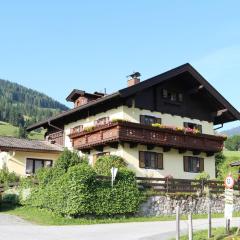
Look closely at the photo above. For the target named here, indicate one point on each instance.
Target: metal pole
(177, 223)
(190, 228)
(209, 219)
(227, 226)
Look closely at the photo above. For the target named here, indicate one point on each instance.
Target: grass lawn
(232, 154)
(45, 217)
(7, 129)
(217, 233)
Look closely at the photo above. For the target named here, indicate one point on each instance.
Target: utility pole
(209, 219)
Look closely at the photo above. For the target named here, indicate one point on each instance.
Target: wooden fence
(172, 185)
(167, 185)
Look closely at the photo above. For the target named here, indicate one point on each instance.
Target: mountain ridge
(21, 106)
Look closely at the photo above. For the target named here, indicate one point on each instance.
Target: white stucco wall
(172, 162)
(133, 115)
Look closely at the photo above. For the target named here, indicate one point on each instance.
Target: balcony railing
(148, 135)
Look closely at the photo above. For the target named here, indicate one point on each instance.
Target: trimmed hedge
(104, 164)
(79, 192)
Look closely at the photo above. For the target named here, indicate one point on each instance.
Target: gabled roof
(17, 144)
(128, 91)
(76, 93)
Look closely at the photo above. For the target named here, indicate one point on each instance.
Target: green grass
(232, 154)
(46, 217)
(217, 233)
(7, 129)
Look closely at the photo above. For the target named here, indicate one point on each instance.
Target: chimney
(134, 79)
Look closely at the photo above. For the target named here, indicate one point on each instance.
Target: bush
(8, 177)
(68, 159)
(79, 192)
(105, 163)
(202, 176)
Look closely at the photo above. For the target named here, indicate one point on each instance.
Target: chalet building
(161, 126)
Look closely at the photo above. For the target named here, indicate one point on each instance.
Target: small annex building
(24, 156)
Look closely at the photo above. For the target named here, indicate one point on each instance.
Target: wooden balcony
(134, 133)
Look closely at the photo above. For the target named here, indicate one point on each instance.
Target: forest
(21, 106)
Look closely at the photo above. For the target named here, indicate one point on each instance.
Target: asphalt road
(14, 228)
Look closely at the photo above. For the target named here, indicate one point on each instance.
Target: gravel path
(14, 228)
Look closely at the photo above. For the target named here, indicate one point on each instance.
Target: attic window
(172, 95)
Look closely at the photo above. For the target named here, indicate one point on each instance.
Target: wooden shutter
(142, 119)
(199, 127)
(141, 159)
(159, 161)
(185, 164)
(201, 164)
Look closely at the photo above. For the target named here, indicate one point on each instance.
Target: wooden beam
(166, 149)
(133, 145)
(85, 151)
(196, 152)
(150, 146)
(210, 154)
(182, 150)
(195, 90)
(99, 148)
(114, 145)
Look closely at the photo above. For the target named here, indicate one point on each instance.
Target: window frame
(101, 121)
(172, 96)
(34, 160)
(147, 123)
(158, 160)
(187, 165)
(195, 126)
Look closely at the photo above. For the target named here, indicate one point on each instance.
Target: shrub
(8, 177)
(68, 159)
(79, 192)
(202, 176)
(105, 163)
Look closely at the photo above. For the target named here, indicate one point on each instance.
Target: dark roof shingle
(12, 143)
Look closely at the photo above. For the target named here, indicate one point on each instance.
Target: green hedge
(105, 163)
(79, 192)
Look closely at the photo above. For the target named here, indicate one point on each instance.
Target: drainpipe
(218, 127)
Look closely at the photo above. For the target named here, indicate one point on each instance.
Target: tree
(233, 143)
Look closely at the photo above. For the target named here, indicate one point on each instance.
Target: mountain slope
(21, 106)
(232, 131)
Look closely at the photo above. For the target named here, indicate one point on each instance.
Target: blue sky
(55, 46)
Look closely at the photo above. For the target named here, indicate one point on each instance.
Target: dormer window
(149, 120)
(172, 96)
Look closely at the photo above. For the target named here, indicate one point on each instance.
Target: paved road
(13, 228)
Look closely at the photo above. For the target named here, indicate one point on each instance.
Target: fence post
(177, 223)
(167, 184)
(209, 219)
(227, 225)
(190, 227)
(202, 186)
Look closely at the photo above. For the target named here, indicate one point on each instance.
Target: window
(151, 160)
(101, 121)
(172, 95)
(193, 126)
(149, 120)
(77, 129)
(193, 164)
(32, 165)
(96, 156)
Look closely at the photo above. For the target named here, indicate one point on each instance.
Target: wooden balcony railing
(148, 135)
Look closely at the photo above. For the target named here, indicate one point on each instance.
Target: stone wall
(166, 204)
